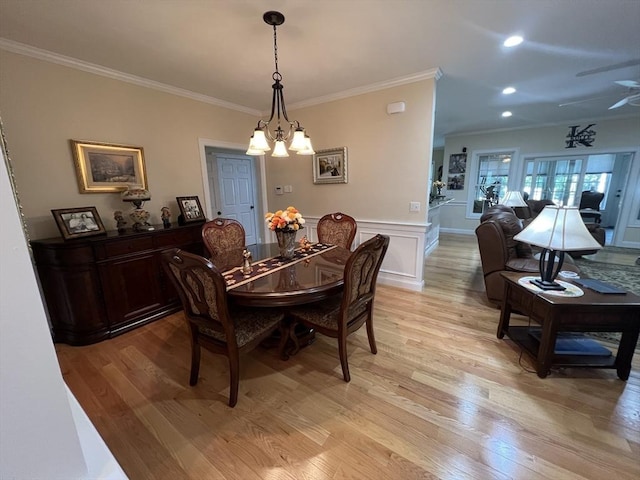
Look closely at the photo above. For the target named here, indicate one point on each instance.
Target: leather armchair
(534, 207)
(499, 252)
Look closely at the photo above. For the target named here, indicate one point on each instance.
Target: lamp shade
(513, 198)
(560, 229)
(136, 194)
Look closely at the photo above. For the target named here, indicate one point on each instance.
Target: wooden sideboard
(99, 287)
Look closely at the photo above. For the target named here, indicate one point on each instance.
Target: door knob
(219, 213)
(251, 207)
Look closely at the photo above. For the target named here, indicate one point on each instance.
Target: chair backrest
(224, 238)
(337, 229)
(360, 275)
(591, 200)
(202, 291)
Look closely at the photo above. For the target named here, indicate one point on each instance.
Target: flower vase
(286, 242)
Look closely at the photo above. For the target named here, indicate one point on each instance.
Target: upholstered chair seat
(345, 313)
(222, 328)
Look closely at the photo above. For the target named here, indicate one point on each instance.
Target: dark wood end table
(591, 312)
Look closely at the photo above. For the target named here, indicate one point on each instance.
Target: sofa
(499, 252)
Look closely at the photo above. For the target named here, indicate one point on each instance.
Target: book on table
(574, 343)
(599, 286)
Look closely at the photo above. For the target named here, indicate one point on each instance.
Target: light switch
(288, 189)
(414, 206)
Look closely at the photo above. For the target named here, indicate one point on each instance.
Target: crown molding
(47, 56)
(564, 123)
(434, 73)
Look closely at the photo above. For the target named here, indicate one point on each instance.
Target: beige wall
(543, 141)
(389, 156)
(44, 105)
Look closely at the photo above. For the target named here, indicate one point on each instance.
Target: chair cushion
(324, 313)
(249, 323)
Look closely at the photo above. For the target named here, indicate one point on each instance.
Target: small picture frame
(190, 209)
(108, 167)
(330, 166)
(78, 222)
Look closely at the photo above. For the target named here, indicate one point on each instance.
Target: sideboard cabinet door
(99, 287)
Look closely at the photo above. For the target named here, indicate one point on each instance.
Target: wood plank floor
(442, 399)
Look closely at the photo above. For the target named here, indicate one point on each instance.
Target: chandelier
(300, 141)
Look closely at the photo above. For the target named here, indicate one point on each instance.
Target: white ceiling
(224, 50)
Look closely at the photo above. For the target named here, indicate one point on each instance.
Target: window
(563, 179)
(489, 175)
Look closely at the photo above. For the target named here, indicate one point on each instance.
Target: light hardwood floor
(442, 399)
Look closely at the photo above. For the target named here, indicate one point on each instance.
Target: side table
(590, 312)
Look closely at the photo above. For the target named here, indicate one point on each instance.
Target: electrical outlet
(414, 206)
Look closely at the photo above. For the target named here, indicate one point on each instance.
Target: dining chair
(221, 327)
(343, 314)
(224, 239)
(337, 229)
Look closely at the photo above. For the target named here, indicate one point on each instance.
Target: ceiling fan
(632, 98)
(634, 94)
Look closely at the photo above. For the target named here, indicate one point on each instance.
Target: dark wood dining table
(311, 276)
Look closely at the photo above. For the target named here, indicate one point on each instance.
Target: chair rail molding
(403, 265)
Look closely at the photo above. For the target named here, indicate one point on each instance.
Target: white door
(237, 198)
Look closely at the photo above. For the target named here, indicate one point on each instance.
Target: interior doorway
(234, 186)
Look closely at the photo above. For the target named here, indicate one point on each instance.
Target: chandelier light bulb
(280, 150)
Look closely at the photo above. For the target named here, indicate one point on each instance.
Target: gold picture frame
(108, 167)
(330, 166)
(78, 222)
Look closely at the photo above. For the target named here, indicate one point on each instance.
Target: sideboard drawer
(127, 246)
(175, 238)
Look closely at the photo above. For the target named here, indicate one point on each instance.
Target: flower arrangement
(439, 184)
(288, 220)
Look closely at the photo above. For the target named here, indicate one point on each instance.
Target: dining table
(313, 274)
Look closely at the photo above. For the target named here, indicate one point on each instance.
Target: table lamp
(513, 198)
(556, 230)
(138, 195)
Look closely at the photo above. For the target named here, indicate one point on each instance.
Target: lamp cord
(523, 367)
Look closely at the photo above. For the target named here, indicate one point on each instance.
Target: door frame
(261, 184)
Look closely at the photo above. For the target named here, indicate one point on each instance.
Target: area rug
(623, 276)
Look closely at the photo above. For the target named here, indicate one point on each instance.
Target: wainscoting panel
(403, 263)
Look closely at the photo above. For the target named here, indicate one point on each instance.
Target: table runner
(235, 278)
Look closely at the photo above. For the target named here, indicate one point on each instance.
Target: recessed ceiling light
(513, 41)
(506, 114)
(509, 91)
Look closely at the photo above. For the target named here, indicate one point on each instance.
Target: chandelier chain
(275, 49)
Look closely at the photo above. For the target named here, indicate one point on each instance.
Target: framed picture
(78, 222)
(330, 166)
(190, 209)
(458, 163)
(106, 167)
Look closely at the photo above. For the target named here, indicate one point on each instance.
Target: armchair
(499, 252)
